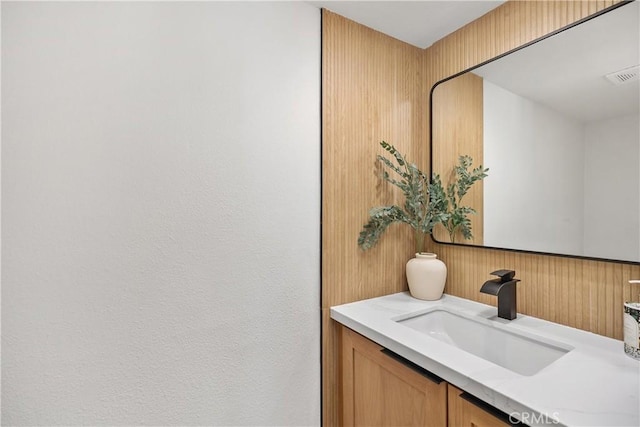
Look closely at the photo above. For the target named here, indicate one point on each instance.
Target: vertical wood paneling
(458, 129)
(375, 88)
(372, 91)
(580, 293)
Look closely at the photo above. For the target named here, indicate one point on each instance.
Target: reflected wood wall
(457, 130)
(375, 88)
(584, 294)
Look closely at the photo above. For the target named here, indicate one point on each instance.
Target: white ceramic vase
(426, 275)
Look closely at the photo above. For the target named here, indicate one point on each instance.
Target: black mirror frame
(481, 247)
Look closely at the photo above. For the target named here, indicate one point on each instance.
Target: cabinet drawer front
(379, 390)
(466, 410)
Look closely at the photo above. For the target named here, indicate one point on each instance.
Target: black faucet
(505, 289)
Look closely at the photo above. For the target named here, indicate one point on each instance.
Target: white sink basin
(518, 352)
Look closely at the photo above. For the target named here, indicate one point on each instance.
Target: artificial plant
(426, 202)
(455, 217)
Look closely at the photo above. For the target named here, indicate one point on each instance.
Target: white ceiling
(420, 23)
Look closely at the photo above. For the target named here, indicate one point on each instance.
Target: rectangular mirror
(557, 122)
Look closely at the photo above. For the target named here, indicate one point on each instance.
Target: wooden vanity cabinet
(379, 390)
(467, 411)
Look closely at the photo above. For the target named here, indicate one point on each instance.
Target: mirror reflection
(558, 125)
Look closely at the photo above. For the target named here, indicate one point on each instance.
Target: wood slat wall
(373, 89)
(376, 87)
(458, 129)
(580, 293)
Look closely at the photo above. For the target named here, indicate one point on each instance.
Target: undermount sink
(489, 340)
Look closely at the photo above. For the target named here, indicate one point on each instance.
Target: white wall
(612, 188)
(160, 213)
(526, 205)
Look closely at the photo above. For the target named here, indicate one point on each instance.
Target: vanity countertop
(594, 384)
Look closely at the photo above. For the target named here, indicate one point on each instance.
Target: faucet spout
(504, 287)
(492, 287)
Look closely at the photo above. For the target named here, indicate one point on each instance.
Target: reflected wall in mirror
(561, 140)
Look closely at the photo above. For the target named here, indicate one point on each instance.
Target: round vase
(426, 275)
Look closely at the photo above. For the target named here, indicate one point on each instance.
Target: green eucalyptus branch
(427, 203)
(380, 218)
(456, 217)
(415, 211)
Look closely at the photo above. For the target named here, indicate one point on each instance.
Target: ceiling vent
(624, 76)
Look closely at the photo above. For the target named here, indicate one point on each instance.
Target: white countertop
(595, 384)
